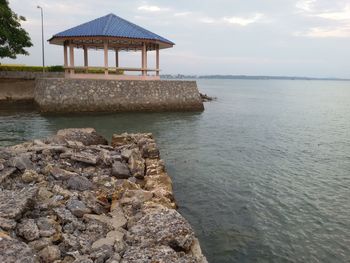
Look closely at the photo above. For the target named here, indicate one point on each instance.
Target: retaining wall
(92, 95)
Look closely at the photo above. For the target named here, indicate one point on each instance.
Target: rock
(137, 164)
(5, 173)
(119, 140)
(150, 150)
(40, 243)
(79, 183)
(15, 251)
(47, 226)
(133, 196)
(77, 207)
(14, 203)
(28, 229)
(7, 224)
(64, 215)
(1, 166)
(114, 259)
(126, 154)
(61, 191)
(162, 226)
(159, 254)
(87, 136)
(61, 174)
(93, 203)
(85, 157)
(50, 254)
(30, 176)
(120, 170)
(22, 162)
(101, 254)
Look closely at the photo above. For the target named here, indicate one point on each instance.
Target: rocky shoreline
(74, 198)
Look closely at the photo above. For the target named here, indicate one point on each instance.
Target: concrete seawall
(92, 95)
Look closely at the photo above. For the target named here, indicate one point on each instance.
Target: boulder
(28, 229)
(14, 203)
(77, 207)
(14, 251)
(137, 164)
(79, 183)
(50, 254)
(61, 174)
(87, 136)
(85, 157)
(120, 170)
(30, 176)
(7, 224)
(5, 173)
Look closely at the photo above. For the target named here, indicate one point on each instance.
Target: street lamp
(42, 37)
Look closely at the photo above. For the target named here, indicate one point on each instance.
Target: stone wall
(91, 95)
(19, 85)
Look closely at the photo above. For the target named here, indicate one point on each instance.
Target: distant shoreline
(179, 76)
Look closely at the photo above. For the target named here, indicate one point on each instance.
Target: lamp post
(42, 37)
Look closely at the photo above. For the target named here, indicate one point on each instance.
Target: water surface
(263, 174)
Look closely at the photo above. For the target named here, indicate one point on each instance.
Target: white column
(86, 59)
(157, 60)
(71, 57)
(65, 56)
(106, 56)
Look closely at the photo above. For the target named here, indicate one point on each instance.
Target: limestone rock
(47, 226)
(28, 229)
(61, 174)
(50, 254)
(14, 251)
(85, 157)
(150, 150)
(30, 176)
(87, 136)
(14, 203)
(120, 170)
(22, 162)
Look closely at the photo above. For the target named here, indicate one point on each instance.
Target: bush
(30, 68)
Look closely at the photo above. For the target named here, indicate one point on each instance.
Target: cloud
(305, 5)
(152, 8)
(234, 20)
(326, 32)
(243, 21)
(183, 13)
(343, 15)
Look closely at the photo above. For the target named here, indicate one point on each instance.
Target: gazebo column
(117, 59)
(71, 57)
(157, 60)
(144, 59)
(106, 57)
(86, 59)
(65, 56)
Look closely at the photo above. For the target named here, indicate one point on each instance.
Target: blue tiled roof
(111, 26)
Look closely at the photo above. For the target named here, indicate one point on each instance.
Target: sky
(239, 37)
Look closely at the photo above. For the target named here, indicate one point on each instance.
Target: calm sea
(263, 174)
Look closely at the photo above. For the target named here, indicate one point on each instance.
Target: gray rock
(162, 226)
(47, 226)
(1, 166)
(7, 224)
(22, 162)
(150, 150)
(79, 183)
(114, 259)
(5, 173)
(120, 170)
(28, 229)
(61, 174)
(50, 254)
(101, 254)
(40, 243)
(85, 157)
(77, 207)
(14, 203)
(159, 254)
(15, 251)
(64, 215)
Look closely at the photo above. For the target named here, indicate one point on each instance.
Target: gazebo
(110, 32)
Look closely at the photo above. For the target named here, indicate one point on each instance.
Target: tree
(13, 38)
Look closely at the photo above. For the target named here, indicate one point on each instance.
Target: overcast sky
(252, 37)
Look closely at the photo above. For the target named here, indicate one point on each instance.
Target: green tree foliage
(13, 38)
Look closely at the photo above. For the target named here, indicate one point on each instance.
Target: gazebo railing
(109, 69)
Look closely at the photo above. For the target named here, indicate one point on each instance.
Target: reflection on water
(262, 174)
